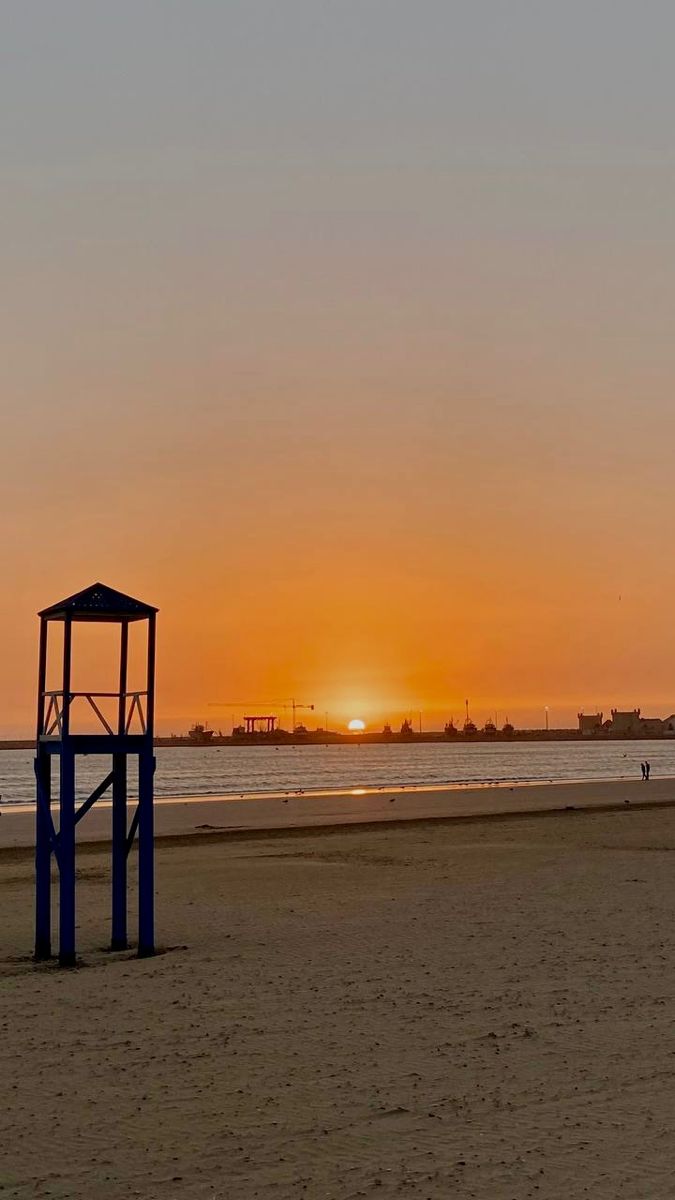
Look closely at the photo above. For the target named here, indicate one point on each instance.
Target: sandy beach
(472, 1009)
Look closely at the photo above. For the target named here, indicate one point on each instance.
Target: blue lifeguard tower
(124, 726)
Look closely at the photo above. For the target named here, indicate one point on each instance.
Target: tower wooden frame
(130, 732)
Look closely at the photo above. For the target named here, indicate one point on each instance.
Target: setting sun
(356, 725)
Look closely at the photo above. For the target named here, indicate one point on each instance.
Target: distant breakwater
(519, 736)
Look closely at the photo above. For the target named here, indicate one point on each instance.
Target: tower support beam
(118, 939)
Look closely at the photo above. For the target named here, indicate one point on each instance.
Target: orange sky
(368, 387)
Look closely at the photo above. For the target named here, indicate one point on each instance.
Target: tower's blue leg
(146, 854)
(67, 860)
(43, 855)
(119, 853)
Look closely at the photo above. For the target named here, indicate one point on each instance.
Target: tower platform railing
(129, 704)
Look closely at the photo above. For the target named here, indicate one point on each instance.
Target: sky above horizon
(343, 333)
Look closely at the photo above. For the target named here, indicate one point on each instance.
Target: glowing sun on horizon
(356, 725)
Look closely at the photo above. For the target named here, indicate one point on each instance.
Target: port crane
(286, 703)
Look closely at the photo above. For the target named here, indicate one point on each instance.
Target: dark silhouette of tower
(125, 721)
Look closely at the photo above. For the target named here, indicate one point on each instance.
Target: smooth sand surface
(199, 814)
(445, 1010)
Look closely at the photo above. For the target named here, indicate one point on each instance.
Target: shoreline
(192, 817)
(309, 793)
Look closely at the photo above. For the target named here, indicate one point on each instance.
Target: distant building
(652, 726)
(633, 724)
(625, 723)
(590, 724)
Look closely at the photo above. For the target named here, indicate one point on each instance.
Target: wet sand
(470, 1009)
(227, 814)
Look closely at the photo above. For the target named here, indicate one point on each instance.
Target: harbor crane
(286, 703)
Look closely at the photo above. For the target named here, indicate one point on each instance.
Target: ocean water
(244, 770)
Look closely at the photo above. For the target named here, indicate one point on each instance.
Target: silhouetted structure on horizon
(260, 724)
(200, 735)
(628, 723)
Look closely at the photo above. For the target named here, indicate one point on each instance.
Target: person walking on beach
(643, 770)
(648, 768)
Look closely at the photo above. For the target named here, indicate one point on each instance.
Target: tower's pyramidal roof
(98, 603)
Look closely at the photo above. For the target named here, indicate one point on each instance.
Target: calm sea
(244, 770)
